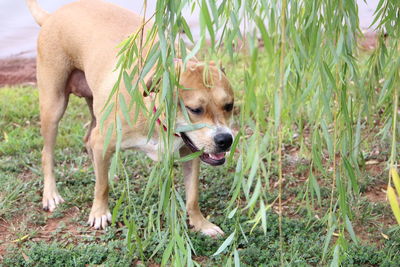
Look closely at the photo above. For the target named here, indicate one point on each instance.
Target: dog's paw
(51, 200)
(212, 230)
(99, 220)
(205, 227)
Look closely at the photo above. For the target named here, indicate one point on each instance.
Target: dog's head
(208, 99)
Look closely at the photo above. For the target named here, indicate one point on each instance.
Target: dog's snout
(223, 141)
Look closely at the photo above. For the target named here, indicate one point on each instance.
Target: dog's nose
(223, 141)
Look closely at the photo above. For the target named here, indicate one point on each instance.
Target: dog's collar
(161, 124)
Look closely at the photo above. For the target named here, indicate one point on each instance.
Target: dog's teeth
(217, 156)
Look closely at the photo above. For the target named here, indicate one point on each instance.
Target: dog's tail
(39, 14)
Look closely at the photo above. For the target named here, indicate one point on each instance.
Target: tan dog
(77, 48)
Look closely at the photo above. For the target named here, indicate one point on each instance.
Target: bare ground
(17, 71)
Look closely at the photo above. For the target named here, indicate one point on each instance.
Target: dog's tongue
(217, 156)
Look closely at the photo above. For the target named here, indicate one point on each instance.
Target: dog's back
(84, 33)
(86, 28)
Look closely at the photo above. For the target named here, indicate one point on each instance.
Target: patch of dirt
(375, 167)
(149, 263)
(9, 230)
(376, 193)
(17, 71)
(53, 224)
(374, 231)
(6, 233)
(3, 236)
(26, 175)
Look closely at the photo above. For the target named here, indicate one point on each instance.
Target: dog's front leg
(100, 214)
(196, 219)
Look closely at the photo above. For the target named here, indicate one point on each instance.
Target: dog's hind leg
(78, 85)
(191, 176)
(89, 101)
(53, 100)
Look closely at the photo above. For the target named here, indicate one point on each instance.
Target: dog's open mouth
(213, 159)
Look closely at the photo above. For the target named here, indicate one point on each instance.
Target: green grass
(33, 237)
(317, 132)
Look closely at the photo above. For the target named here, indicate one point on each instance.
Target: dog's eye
(196, 111)
(228, 107)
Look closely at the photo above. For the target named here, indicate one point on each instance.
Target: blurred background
(18, 30)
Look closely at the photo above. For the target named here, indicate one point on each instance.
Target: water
(18, 30)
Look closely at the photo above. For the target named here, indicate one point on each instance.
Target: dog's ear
(152, 83)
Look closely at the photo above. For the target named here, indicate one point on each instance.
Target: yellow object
(396, 179)
(393, 203)
(20, 239)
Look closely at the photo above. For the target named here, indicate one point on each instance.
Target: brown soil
(376, 193)
(3, 236)
(371, 231)
(17, 71)
(10, 229)
(7, 233)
